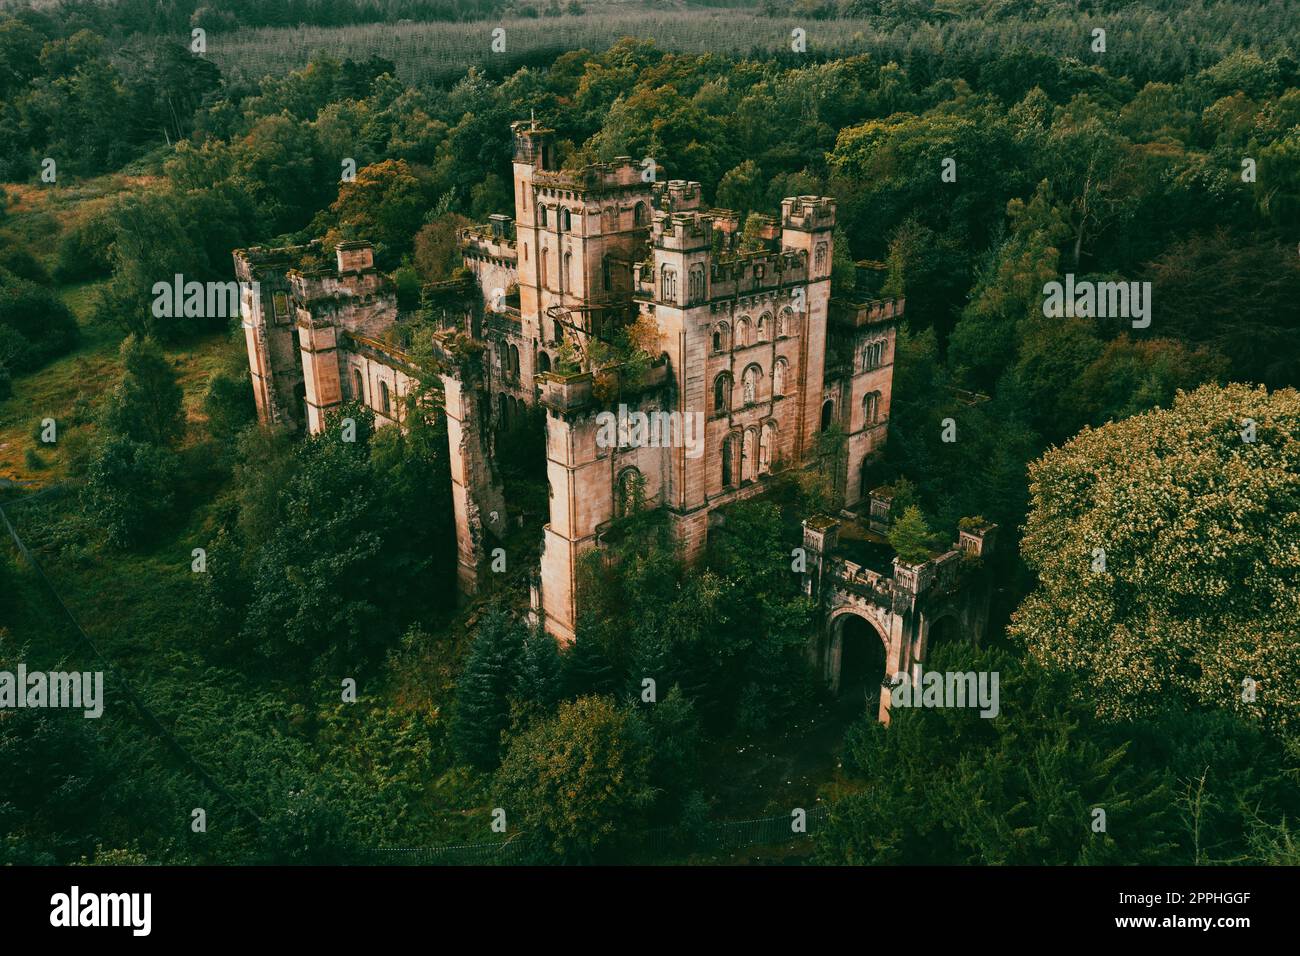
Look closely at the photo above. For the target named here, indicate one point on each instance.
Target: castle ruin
(749, 341)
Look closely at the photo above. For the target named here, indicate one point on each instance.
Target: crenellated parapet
(849, 572)
(808, 213)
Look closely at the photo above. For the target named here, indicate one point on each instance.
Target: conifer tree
(482, 693)
(911, 536)
(587, 670)
(538, 684)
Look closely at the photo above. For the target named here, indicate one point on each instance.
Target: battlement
(493, 240)
(354, 257)
(856, 315)
(622, 174)
(534, 143)
(678, 195)
(859, 559)
(681, 231)
(327, 290)
(257, 261)
(808, 213)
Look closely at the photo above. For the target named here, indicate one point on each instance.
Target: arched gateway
(875, 623)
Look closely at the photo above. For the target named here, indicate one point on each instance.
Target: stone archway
(856, 658)
(944, 630)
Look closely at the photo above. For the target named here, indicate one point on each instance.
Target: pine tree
(587, 670)
(911, 536)
(482, 693)
(538, 685)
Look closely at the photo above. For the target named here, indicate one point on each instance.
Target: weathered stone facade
(750, 344)
(904, 604)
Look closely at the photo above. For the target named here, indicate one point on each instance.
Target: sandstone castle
(750, 343)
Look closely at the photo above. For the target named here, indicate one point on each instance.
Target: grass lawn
(68, 388)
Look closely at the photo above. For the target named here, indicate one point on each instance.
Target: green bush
(130, 489)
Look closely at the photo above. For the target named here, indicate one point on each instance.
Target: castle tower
(266, 314)
(533, 154)
(867, 390)
(577, 234)
(676, 291)
(593, 481)
(351, 298)
(807, 223)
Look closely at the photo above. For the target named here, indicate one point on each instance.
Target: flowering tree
(1167, 549)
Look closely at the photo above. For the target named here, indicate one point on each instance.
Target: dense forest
(1170, 157)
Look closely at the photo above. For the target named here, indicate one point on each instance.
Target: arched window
(669, 290)
(566, 221)
(514, 361)
(764, 326)
(819, 260)
(358, 391)
(503, 407)
(870, 408)
(721, 393)
(749, 381)
(629, 493)
(783, 323)
(541, 212)
(748, 456)
(742, 332)
(720, 332)
(766, 446)
(873, 355)
(728, 444)
(638, 214)
(828, 414)
(543, 362)
(696, 289)
(779, 371)
(385, 404)
(604, 273)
